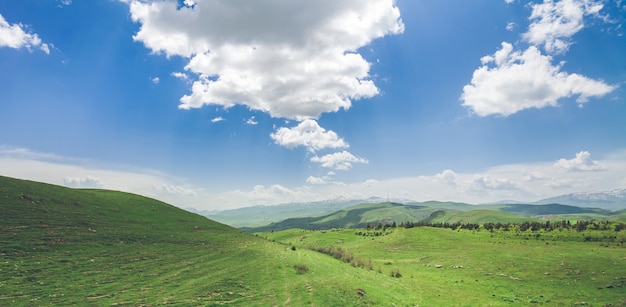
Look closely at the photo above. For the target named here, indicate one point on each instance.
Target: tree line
(524, 226)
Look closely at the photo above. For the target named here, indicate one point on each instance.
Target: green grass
(61, 246)
(479, 217)
(65, 247)
(479, 268)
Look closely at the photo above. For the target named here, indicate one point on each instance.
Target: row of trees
(524, 226)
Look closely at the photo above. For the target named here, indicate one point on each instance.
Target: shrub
(395, 273)
(301, 268)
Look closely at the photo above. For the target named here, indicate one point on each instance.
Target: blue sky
(224, 104)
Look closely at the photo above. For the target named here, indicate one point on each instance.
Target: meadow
(68, 247)
(483, 268)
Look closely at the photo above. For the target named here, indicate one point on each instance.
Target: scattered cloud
(553, 23)
(510, 81)
(251, 121)
(62, 3)
(15, 36)
(511, 26)
(217, 119)
(513, 80)
(340, 160)
(581, 163)
(524, 182)
(249, 57)
(309, 134)
(316, 180)
(180, 75)
(83, 182)
(173, 189)
(155, 80)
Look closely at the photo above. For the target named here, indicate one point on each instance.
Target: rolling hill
(359, 216)
(61, 246)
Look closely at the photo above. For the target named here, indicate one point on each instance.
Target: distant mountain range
(610, 199)
(590, 203)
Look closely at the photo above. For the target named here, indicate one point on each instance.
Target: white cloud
(155, 80)
(180, 75)
(581, 163)
(511, 25)
(173, 189)
(513, 80)
(316, 180)
(448, 177)
(83, 182)
(64, 2)
(247, 55)
(14, 36)
(554, 22)
(251, 121)
(340, 160)
(486, 182)
(309, 134)
(510, 81)
(496, 183)
(509, 1)
(217, 119)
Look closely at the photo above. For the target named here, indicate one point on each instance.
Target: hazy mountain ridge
(593, 202)
(614, 199)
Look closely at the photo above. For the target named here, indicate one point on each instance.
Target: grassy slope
(61, 246)
(479, 217)
(485, 269)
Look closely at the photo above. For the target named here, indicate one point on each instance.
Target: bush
(395, 273)
(301, 268)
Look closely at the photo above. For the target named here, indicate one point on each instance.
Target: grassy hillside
(354, 217)
(435, 212)
(477, 216)
(552, 209)
(61, 246)
(482, 268)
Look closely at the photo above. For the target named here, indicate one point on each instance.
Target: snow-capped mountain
(614, 199)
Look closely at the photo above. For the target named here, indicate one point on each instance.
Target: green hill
(550, 209)
(373, 213)
(61, 246)
(357, 216)
(477, 217)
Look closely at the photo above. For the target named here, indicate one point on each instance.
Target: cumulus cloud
(83, 182)
(581, 163)
(217, 119)
(155, 80)
(309, 134)
(15, 36)
(513, 80)
(340, 160)
(510, 81)
(553, 23)
(448, 177)
(291, 59)
(485, 182)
